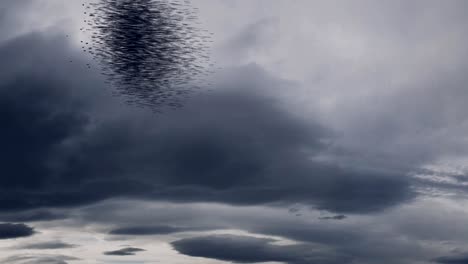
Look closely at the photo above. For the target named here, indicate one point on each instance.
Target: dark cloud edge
(240, 150)
(13, 231)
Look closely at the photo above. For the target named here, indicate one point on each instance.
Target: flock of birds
(153, 52)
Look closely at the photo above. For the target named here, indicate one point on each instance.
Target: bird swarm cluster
(153, 52)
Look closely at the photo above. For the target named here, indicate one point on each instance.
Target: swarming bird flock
(152, 51)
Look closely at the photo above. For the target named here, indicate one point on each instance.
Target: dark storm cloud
(8, 231)
(38, 259)
(37, 116)
(32, 216)
(234, 146)
(244, 249)
(47, 245)
(455, 259)
(129, 251)
(27, 116)
(40, 118)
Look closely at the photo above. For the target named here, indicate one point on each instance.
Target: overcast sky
(330, 132)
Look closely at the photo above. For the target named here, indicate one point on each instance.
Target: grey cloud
(236, 146)
(38, 259)
(375, 238)
(9, 231)
(33, 216)
(152, 230)
(410, 114)
(8, 19)
(239, 147)
(244, 249)
(129, 251)
(399, 105)
(47, 245)
(334, 217)
(404, 101)
(456, 259)
(364, 244)
(251, 39)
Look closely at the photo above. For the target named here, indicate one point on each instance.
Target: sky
(326, 132)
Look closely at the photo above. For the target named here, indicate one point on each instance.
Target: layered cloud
(38, 259)
(244, 249)
(129, 251)
(456, 259)
(47, 245)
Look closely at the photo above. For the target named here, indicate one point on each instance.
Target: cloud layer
(129, 251)
(242, 249)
